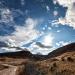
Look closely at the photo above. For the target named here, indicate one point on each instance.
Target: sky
(41, 26)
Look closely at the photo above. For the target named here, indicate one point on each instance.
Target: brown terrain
(59, 62)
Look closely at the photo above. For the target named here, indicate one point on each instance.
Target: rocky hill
(59, 62)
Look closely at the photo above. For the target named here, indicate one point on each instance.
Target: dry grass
(61, 65)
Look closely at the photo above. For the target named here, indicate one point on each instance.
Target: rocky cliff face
(59, 62)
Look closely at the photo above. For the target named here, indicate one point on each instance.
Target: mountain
(61, 50)
(59, 62)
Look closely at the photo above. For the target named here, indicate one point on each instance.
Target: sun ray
(48, 40)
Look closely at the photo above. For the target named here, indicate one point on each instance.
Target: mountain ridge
(25, 53)
(59, 62)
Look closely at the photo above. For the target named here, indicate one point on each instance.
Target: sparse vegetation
(62, 59)
(53, 67)
(65, 72)
(15, 64)
(70, 59)
(54, 64)
(54, 59)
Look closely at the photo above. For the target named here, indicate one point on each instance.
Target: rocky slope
(58, 62)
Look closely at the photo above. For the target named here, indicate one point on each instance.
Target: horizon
(41, 26)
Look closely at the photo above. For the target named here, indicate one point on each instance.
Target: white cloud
(49, 28)
(58, 44)
(58, 31)
(22, 2)
(35, 49)
(54, 1)
(23, 34)
(47, 7)
(55, 13)
(4, 49)
(31, 23)
(44, 28)
(62, 43)
(6, 15)
(65, 3)
(69, 18)
(48, 40)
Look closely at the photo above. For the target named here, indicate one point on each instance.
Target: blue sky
(25, 22)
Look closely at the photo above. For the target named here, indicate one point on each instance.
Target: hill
(59, 62)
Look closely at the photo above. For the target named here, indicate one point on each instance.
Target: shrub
(53, 67)
(65, 72)
(69, 59)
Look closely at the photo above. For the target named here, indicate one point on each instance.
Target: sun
(48, 40)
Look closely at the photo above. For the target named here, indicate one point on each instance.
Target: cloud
(62, 43)
(69, 18)
(65, 3)
(47, 8)
(58, 31)
(55, 13)
(42, 45)
(36, 49)
(54, 1)
(23, 34)
(7, 49)
(49, 28)
(48, 40)
(3, 44)
(22, 2)
(6, 15)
